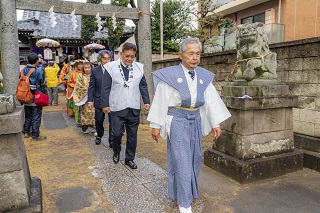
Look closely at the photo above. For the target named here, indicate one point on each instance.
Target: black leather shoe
(110, 145)
(115, 158)
(98, 141)
(131, 164)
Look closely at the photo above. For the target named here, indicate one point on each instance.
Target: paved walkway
(79, 176)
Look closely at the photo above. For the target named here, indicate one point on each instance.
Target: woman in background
(71, 108)
(80, 98)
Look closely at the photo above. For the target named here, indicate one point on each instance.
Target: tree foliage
(88, 24)
(114, 35)
(177, 24)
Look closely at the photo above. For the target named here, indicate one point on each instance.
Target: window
(252, 19)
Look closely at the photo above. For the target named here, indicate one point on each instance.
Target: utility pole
(161, 29)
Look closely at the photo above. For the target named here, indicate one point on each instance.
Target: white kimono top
(213, 112)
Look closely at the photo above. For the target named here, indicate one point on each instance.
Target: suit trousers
(130, 121)
(99, 117)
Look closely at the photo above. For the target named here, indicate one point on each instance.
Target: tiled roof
(39, 22)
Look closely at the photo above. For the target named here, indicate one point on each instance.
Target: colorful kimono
(71, 108)
(80, 97)
(63, 73)
(185, 110)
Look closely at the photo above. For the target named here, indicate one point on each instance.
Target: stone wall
(298, 66)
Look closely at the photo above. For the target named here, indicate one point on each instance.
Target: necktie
(191, 73)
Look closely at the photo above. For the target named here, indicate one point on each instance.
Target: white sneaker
(185, 210)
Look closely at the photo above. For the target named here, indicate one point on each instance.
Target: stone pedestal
(17, 191)
(257, 141)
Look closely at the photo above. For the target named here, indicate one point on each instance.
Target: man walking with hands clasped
(121, 93)
(186, 106)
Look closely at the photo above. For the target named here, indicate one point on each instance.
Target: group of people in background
(186, 106)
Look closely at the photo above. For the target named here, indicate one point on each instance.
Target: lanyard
(125, 83)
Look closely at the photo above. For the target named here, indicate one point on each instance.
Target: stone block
(260, 102)
(296, 114)
(14, 192)
(269, 120)
(307, 142)
(255, 169)
(254, 146)
(317, 130)
(309, 76)
(295, 88)
(317, 103)
(7, 104)
(290, 64)
(275, 90)
(13, 121)
(283, 76)
(302, 51)
(295, 76)
(9, 153)
(310, 89)
(305, 128)
(262, 82)
(282, 53)
(311, 160)
(255, 91)
(308, 115)
(234, 91)
(240, 82)
(312, 63)
(307, 102)
(289, 118)
(240, 122)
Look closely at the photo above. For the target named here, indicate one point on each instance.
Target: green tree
(88, 24)
(178, 24)
(114, 35)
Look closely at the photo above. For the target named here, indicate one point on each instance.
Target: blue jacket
(37, 78)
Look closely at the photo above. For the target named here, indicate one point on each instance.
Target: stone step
(307, 142)
(311, 159)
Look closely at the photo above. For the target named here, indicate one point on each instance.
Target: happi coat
(121, 97)
(185, 110)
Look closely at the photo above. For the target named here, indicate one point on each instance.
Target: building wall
(260, 8)
(301, 18)
(298, 66)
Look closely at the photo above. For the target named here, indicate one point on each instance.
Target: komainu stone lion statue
(254, 59)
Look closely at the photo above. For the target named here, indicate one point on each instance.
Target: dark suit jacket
(106, 89)
(95, 86)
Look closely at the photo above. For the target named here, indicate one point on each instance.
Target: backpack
(23, 92)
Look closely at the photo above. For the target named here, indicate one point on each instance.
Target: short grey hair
(101, 54)
(187, 41)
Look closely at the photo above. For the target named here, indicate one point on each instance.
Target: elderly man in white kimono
(186, 106)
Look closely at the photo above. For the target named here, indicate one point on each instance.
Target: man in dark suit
(94, 94)
(121, 93)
